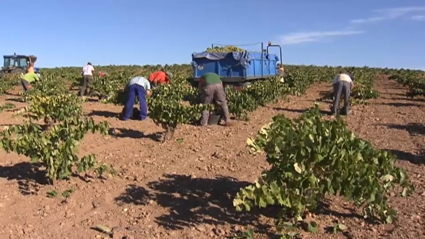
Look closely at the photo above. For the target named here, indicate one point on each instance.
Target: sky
(382, 33)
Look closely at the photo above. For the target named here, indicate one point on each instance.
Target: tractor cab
(17, 63)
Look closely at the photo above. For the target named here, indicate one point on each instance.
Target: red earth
(184, 188)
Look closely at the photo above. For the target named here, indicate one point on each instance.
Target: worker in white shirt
(342, 84)
(87, 79)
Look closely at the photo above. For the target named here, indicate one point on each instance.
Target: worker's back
(342, 77)
(211, 78)
(30, 69)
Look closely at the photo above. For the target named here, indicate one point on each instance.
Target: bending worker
(28, 79)
(140, 87)
(87, 79)
(32, 74)
(342, 84)
(212, 90)
(281, 71)
(160, 77)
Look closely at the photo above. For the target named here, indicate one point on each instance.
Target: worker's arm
(127, 85)
(153, 79)
(155, 82)
(201, 84)
(148, 88)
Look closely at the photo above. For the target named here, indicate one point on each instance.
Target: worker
(87, 79)
(141, 87)
(28, 79)
(211, 90)
(281, 72)
(31, 68)
(31, 64)
(342, 85)
(160, 77)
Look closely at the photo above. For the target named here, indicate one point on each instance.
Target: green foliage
(54, 108)
(7, 82)
(6, 106)
(53, 143)
(169, 106)
(168, 109)
(311, 158)
(414, 80)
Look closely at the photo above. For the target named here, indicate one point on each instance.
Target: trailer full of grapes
(237, 68)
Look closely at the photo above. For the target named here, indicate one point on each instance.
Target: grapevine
(311, 158)
(53, 143)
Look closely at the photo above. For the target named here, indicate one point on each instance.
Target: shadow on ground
(135, 134)
(299, 110)
(134, 195)
(393, 94)
(27, 174)
(203, 201)
(194, 201)
(408, 99)
(398, 104)
(19, 100)
(102, 113)
(198, 200)
(411, 128)
(406, 156)
(12, 94)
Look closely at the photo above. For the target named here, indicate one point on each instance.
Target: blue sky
(327, 32)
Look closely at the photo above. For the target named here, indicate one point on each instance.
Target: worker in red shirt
(160, 77)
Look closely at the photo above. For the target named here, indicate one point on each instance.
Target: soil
(184, 188)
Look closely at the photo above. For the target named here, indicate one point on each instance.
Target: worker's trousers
(341, 88)
(25, 85)
(133, 91)
(86, 85)
(214, 94)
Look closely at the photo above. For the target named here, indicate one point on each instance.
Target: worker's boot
(228, 123)
(346, 111)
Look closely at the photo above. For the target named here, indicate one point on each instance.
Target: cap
(169, 74)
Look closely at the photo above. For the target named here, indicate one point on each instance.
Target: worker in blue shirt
(140, 87)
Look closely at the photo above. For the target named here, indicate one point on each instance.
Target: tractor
(13, 64)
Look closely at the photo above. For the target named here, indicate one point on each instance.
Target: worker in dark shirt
(212, 90)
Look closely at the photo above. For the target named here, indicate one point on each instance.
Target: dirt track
(184, 189)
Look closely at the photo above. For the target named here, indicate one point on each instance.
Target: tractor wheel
(17, 71)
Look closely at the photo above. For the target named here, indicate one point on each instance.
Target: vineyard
(69, 168)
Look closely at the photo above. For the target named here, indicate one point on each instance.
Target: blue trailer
(237, 68)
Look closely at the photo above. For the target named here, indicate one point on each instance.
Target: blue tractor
(13, 64)
(237, 69)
